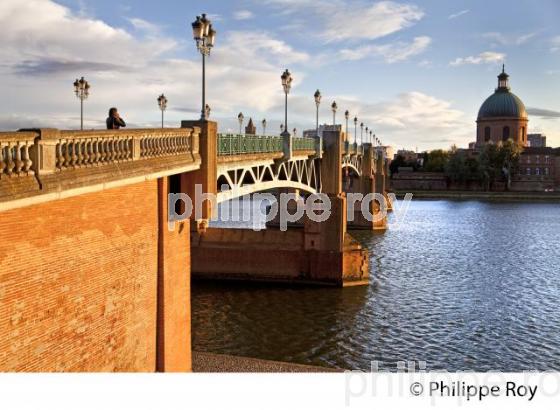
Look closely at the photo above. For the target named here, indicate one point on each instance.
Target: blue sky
(414, 71)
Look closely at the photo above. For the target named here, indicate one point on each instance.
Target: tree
(499, 162)
(462, 168)
(455, 169)
(436, 161)
(509, 158)
(395, 164)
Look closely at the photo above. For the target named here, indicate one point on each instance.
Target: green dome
(502, 104)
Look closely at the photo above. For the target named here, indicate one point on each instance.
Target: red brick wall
(78, 283)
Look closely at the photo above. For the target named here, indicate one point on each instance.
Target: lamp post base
(287, 145)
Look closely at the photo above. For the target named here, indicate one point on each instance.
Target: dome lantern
(503, 80)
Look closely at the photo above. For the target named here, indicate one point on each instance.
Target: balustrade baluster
(128, 142)
(19, 162)
(118, 148)
(10, 162)
(2, 160)
(27, 163)
(97, 151)
(74, 156)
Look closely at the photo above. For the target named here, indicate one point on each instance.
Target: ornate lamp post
(370, 136)
(81, 89)
(287, 79)
(355, 129)
(367, 134)
(334, 107)
(347, 117)
(240, 118)
(317, 96)
(264, 126)
(205, 37)
(162, 102)
(362, 132)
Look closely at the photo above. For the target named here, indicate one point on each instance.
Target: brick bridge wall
(92, 283)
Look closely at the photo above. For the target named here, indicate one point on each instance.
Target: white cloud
(425, 64)
(458, 14)
(255, 48)
(243, 15)
(45, 46)
(409, 119)
(555, 41)
(508, 39)
(340, 21)
(391, 53)
(488, 57)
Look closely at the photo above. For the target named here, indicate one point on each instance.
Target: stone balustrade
(77, 149)
(16, 153)
(41, 164)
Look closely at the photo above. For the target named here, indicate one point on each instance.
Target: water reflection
(459, 285)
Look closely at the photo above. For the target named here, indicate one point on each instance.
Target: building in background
(408, 155)
(536, 140)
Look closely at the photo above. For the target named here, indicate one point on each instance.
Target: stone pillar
(287, 145)
(386, 163)
(380, 176)
(331, 170)
(43, 154)
(207, 175)
(173, 332)
(366, 187)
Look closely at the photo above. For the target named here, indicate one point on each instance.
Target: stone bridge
(92, 278)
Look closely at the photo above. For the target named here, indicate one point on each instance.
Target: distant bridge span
(248, 164)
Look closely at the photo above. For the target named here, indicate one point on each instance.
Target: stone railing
(236, 144)
(45, 164)
(59, 151)
(16, 153)
(78, 149)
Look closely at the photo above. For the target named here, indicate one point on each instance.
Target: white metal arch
(353, 162)
(247, 178)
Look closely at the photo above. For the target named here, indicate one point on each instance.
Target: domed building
(502, 116)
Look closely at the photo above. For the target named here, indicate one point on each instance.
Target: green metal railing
(353, 149)
(235, 144)
(303, 144)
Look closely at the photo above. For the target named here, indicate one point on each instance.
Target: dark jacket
(115, 123)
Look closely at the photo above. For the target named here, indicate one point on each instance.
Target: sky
(416, 72)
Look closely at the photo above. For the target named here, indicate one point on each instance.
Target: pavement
(204, 362)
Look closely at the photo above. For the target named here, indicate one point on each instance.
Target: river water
(458, 285)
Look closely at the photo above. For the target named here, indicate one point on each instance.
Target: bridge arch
(239, 179)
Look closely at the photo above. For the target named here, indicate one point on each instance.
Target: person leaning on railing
(114, 121)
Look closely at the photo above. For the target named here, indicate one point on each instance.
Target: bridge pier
(207, 175)
(320, 253)
(380, 186)
(310, 252)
